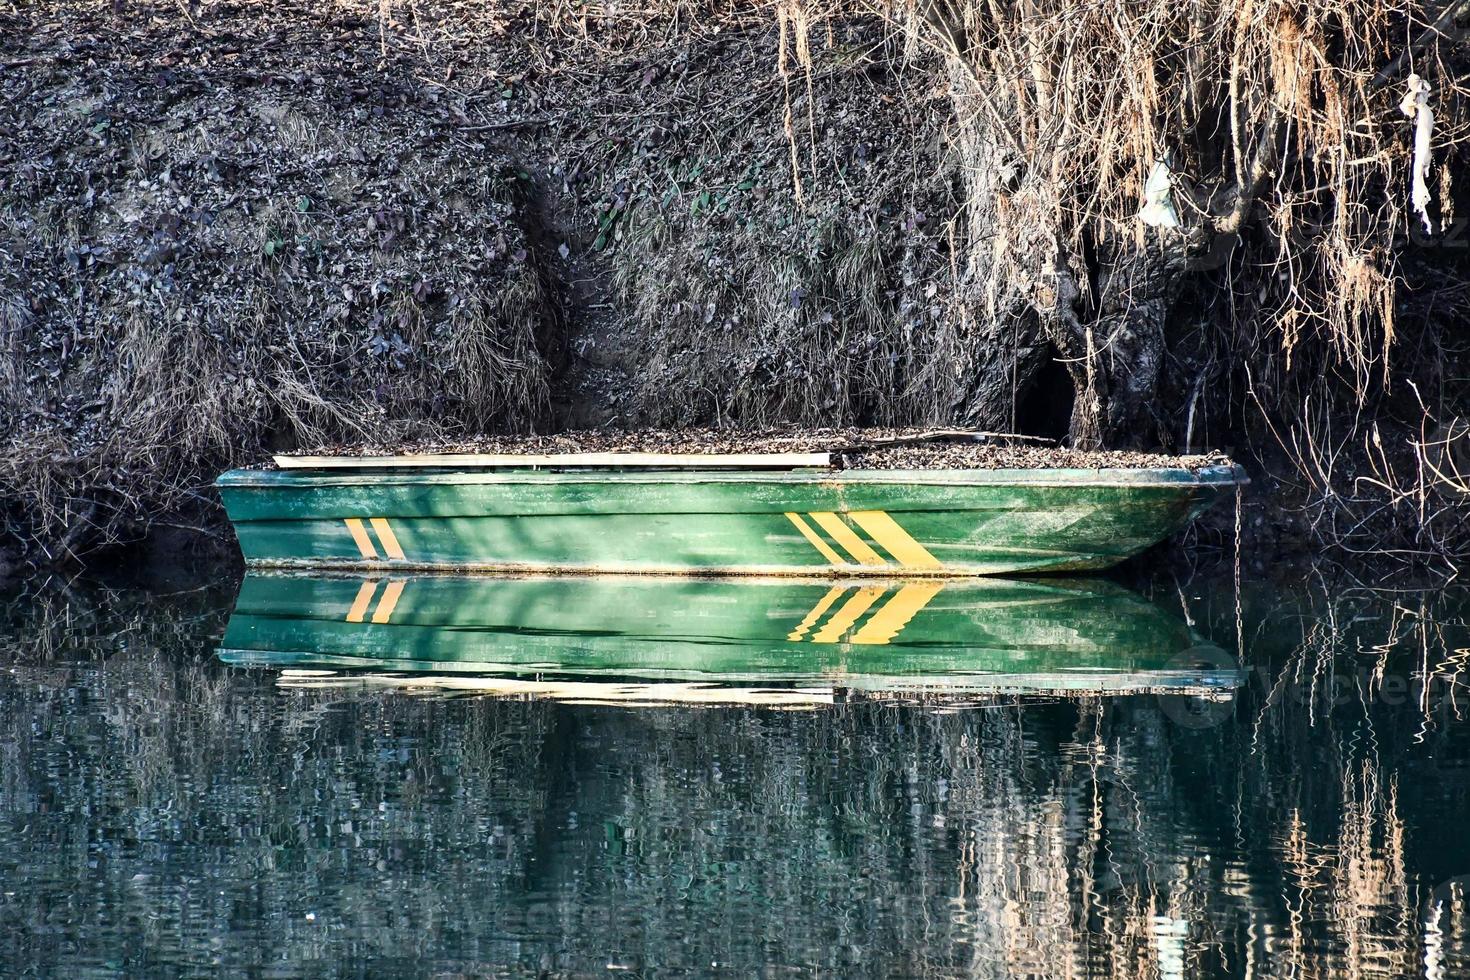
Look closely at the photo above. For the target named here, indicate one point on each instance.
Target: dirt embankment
(234, 228)
(245, 226)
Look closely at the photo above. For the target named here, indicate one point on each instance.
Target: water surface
(593, 779)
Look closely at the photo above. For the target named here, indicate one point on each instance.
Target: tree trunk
(1113, 345)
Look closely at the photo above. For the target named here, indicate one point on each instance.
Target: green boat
(762, 514)
(772, 641)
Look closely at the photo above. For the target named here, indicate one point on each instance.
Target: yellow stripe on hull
(389, 539)
(894, 539)
(361, 537)
(815, 539)
(849, 540)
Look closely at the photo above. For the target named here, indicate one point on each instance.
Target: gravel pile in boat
(996, 456)
(855, 448)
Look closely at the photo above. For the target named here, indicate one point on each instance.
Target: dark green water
(1019, 782)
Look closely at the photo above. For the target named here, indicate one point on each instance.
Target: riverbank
(251, 228)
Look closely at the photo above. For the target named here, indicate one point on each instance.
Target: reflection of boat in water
(716, 640)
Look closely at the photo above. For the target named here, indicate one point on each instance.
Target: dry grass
(792, 259)
(1291, 159)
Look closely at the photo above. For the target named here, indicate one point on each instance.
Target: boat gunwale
(1219, 475)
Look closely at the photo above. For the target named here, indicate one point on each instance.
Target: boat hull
(809, 523)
